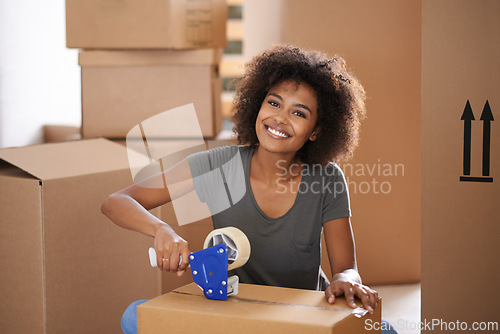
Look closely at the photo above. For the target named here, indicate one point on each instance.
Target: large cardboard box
(256, 309)
(120, 89)
(65, 268)
(145, 24)
(381, 43)
(460, 163)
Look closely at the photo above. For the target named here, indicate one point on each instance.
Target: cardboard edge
(101, 58)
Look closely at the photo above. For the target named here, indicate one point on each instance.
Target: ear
(314, 134)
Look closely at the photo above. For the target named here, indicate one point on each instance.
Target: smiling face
(287, 117)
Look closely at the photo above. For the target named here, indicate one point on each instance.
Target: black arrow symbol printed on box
(468, 117)
(486, 117)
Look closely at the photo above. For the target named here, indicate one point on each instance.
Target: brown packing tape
(276, 296)
(236, 299)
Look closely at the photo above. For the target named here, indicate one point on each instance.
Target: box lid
(67, 159)
(149, 57)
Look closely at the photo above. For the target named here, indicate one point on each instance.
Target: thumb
(330, 295)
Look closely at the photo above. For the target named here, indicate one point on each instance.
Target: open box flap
(68, 159)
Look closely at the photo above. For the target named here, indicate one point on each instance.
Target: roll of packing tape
(237, 244)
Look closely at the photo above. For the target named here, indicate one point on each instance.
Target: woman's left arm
(342, 255)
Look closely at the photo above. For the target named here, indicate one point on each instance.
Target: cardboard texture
(381, 43)
(256, 309)
(120, 89)
(65, 267)
(146, 24)
(58, 133)
(460, 230)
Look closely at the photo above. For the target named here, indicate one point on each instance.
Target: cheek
(262, 115)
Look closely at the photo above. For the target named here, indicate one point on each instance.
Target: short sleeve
(336, 195)
(217, 177)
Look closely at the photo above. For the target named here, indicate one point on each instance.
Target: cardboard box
(65, 268)
(146, 24)
(460, 215)
(382, 45)
(256, 309)
(120, 89)
(57, 133)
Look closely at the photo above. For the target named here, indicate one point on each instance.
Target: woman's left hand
(351, 289)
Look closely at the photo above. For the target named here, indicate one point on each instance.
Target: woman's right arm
(129, 207)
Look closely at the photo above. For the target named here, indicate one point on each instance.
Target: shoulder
(229, 149)
(218, 156)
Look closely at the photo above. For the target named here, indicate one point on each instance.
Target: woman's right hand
(169, 247)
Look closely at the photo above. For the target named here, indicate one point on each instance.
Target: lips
(277, 132)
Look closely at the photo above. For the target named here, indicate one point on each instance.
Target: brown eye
(273, 103)
(299, 113)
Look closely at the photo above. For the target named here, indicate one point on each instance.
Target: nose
(281, 116)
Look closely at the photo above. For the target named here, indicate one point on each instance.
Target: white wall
(39, 76)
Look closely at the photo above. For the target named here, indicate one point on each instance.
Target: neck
(269, 167)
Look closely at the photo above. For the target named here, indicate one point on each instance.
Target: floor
(401, 306)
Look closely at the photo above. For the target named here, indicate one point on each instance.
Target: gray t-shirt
(285, 251)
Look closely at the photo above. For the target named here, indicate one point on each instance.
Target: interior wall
(39, 76)
(460, 230)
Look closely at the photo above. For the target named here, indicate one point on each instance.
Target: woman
(296, 111)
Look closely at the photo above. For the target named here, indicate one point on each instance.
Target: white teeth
(277, 133)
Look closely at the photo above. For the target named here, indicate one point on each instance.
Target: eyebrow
(300, 105)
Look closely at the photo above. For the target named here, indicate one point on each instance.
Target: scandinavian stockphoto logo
(360, 178)
(162, 141)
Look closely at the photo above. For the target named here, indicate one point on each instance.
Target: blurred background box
(53, 133)
(381, 43)
(145, 24)
(65, 267)
(460, 219)
(120, 89)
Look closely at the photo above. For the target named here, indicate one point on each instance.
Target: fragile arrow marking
(468, 117)
(487, 118)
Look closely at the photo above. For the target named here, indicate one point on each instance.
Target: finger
(174, 259)
(185, 252)
(165, 263)
(330, 296)
(373, 297)
(349, 297)
(164, 258)
(364, 295)
(375, 294)
(159, 259)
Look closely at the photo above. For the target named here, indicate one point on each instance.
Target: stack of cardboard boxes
(140, 58)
